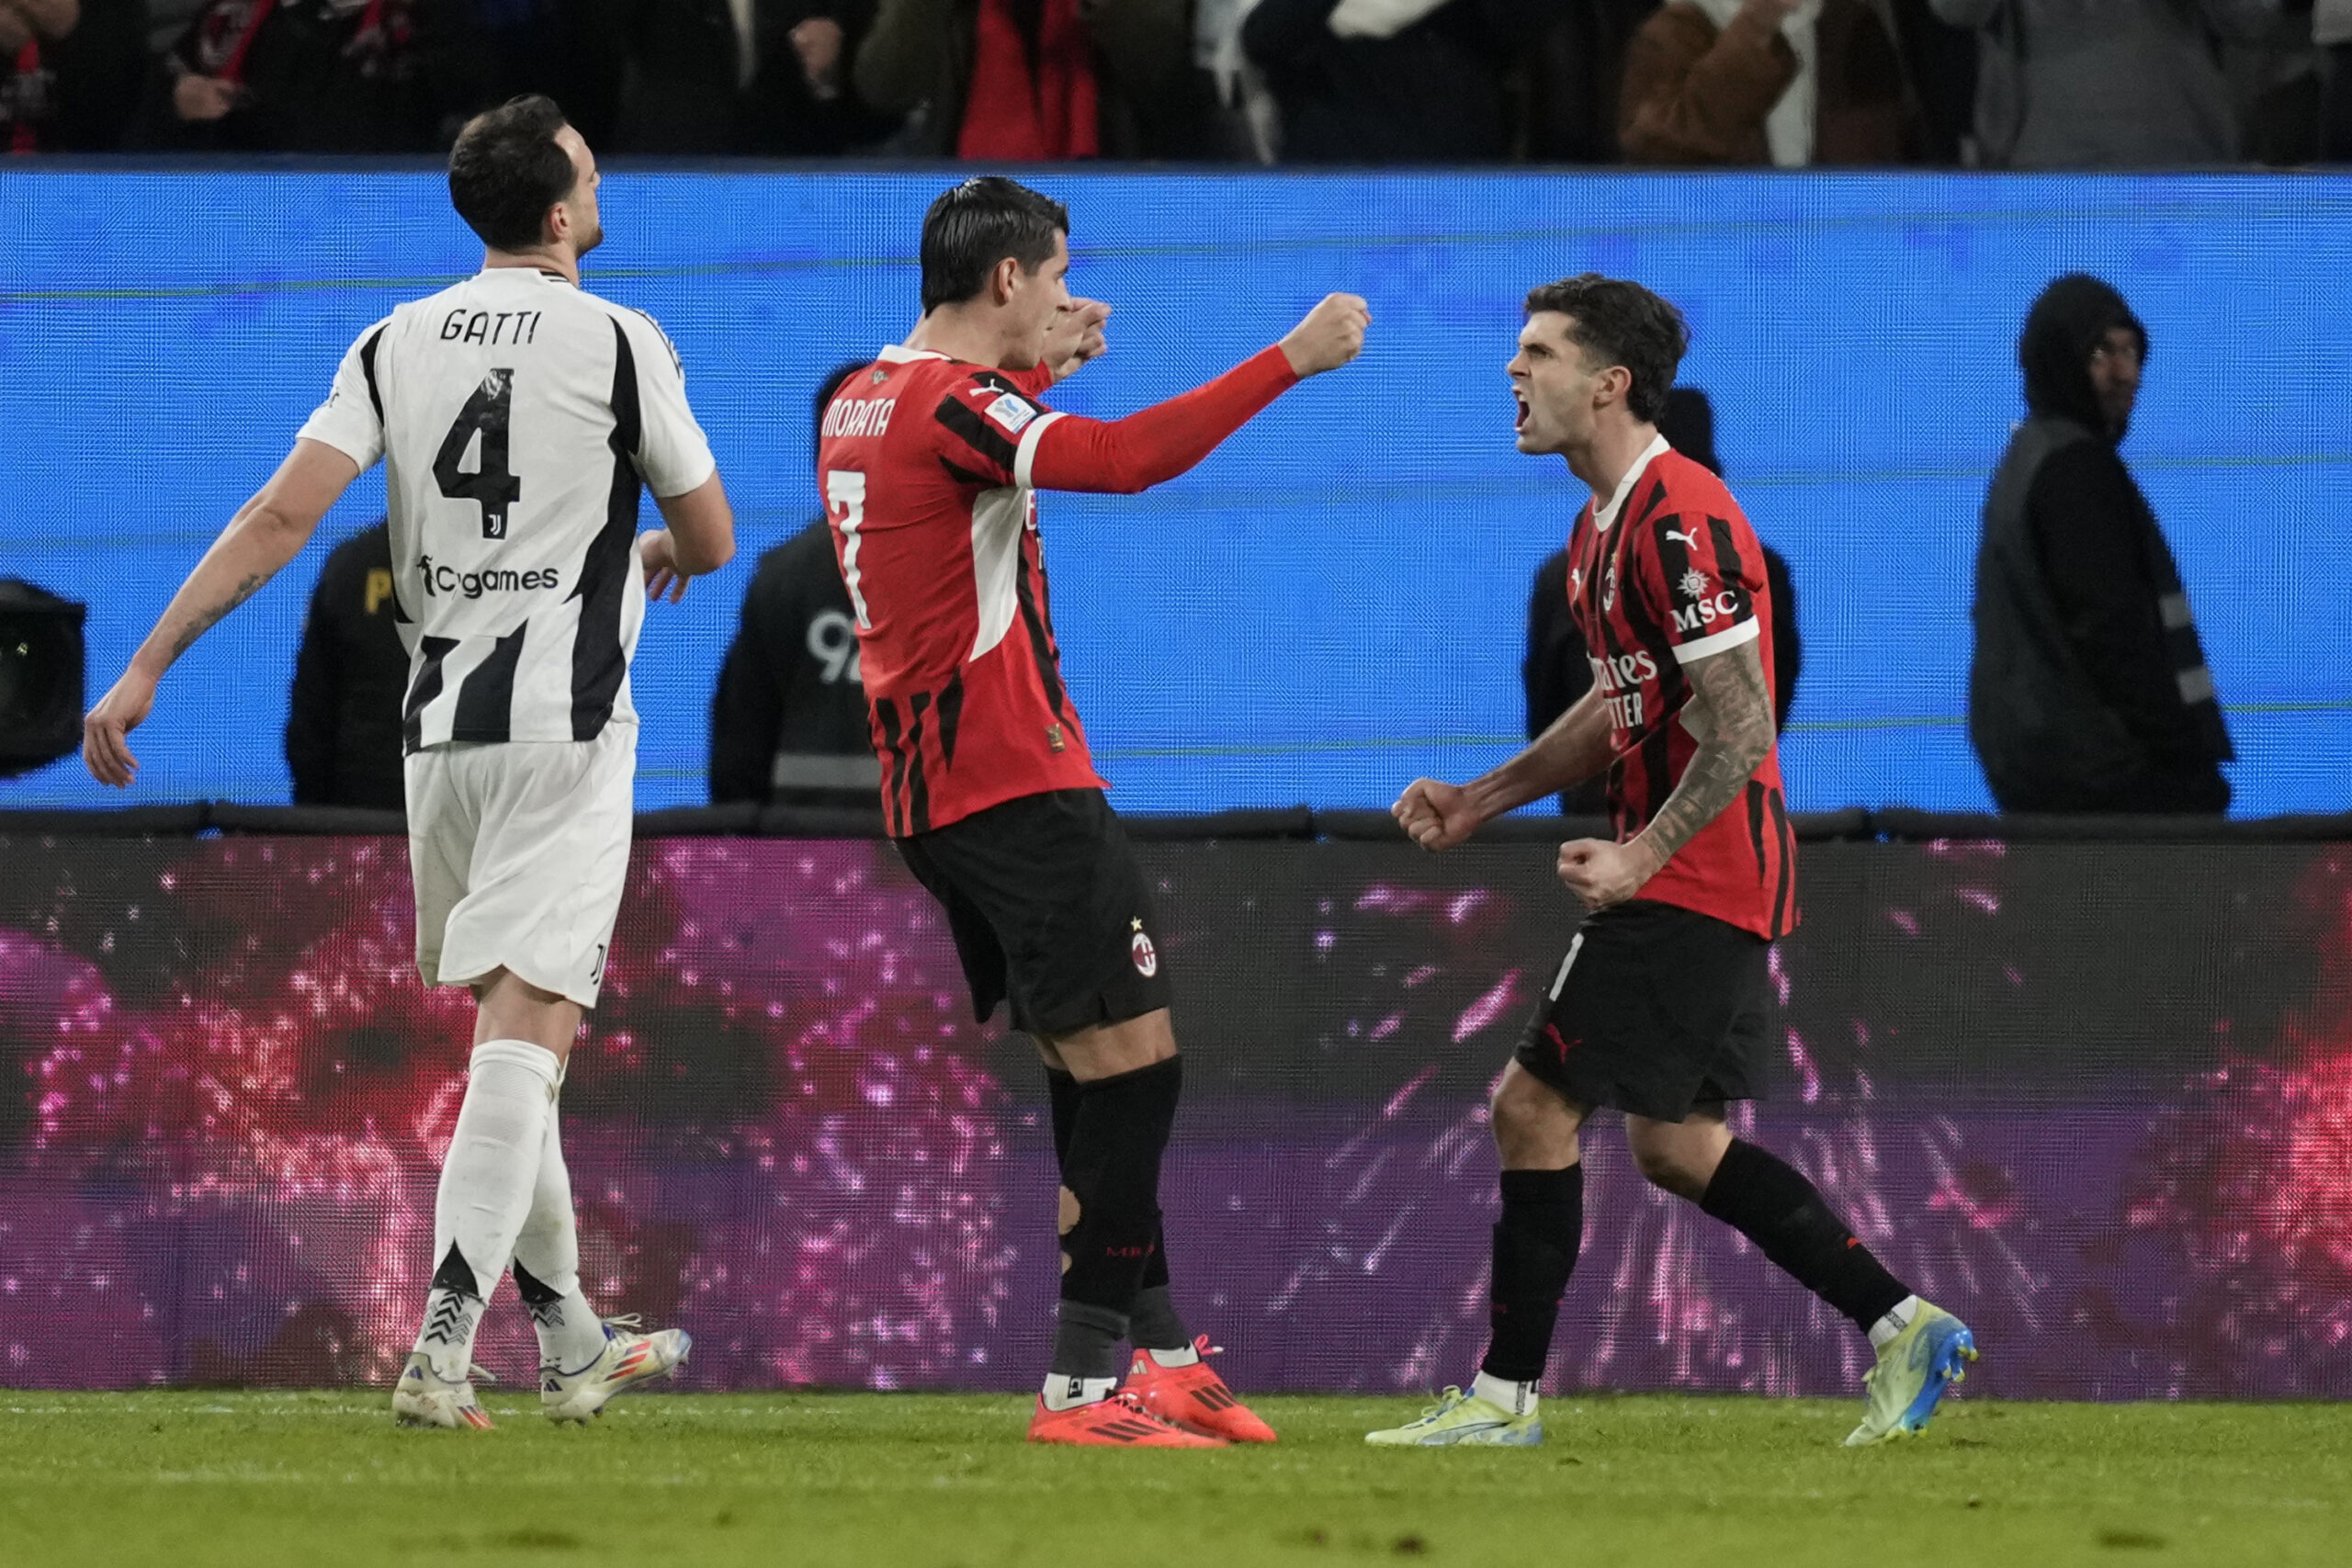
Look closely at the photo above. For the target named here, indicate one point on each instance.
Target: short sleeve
(352, 419)
(671, 451)
(1708, 578)
(986, 428)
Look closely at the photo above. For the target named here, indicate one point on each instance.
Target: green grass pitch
(325, 1481)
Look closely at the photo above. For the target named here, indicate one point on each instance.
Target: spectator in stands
(1040, 81)
(2095, 83)
(2089, 690)
(571, 51)
(324, 76)
(1558, 671)
(789, 722)
(1791, 83)
(1249, 121)
(1940, 65)
(1576, 72)
(722, 76)
(1393, 81)
(2275, 82)
(343, 723)
(2331, 30)
(69, 73)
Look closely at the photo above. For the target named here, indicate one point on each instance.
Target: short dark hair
(978, 223)
(1619, 323)
(506, 171)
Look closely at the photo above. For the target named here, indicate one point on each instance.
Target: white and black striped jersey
(517, 416)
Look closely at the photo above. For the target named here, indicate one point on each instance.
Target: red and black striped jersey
(925, 465)
(1667, 572)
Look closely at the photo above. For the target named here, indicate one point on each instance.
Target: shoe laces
(479, 1373)
(629, 1320)
(1445, 1402)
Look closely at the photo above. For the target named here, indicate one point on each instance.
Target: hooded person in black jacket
(2089, 690)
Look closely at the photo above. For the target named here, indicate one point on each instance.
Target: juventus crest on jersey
(517, 416)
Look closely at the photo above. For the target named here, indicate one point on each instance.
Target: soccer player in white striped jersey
(518, 417)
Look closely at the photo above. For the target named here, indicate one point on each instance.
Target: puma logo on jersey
(1686, 539)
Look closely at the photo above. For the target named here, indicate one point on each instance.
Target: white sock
(1064, 1392)
(1518, 1398)
(1897, 1319)
(1188, 1357)
(485, 1190)
(548, 1249)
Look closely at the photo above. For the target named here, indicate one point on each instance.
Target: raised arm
(1065, 452)
(267, 531)
(1730, 712)
(1440, 816)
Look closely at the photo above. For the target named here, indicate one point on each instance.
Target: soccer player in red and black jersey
(930, 459)
(1657, 1009)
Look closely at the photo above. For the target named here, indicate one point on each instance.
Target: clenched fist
(1330, 336)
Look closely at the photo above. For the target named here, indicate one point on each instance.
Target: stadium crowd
(2024, 84)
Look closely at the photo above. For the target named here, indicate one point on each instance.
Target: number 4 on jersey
(487, 414)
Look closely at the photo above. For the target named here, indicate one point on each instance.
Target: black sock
(1773, 1205)
(1154, 1323)
(1061, 1091)
(1535, 1250)
(1086, 1341)
(1110, 1203)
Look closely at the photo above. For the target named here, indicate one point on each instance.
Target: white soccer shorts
(519, 850)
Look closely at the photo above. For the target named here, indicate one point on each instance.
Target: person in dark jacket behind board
(2088, 692)
(788, 724)
(343, 724)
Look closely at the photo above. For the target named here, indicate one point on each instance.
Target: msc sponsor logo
(441, 578)
(1723, 607)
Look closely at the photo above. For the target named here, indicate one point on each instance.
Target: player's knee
(1532, 1126)
(1679, 1166)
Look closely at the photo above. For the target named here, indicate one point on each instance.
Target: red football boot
(1195, 1397)
(1118, 1422)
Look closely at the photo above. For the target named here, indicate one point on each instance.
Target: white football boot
(423, 1397)
(628, 1359)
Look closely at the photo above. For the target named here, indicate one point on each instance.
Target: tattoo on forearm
(211, 615)
(1739, 736)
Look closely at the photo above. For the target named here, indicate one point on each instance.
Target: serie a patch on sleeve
(1010, 412)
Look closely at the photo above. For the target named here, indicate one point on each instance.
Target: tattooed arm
(1730, 711)
(267, 531)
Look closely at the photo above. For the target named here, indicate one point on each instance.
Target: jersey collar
(898, 354)
(538, 273)
(1603, 516)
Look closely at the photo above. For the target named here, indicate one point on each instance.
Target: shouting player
(1657, 1008)
(928, 461)
(518, 417)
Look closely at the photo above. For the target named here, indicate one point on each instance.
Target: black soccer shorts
(1049, 911)
(1655, 1011)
